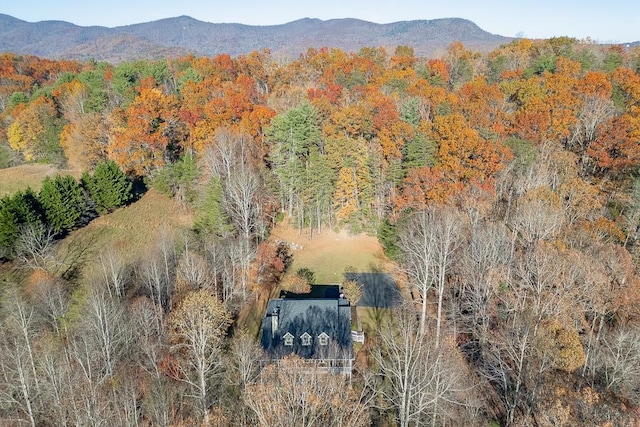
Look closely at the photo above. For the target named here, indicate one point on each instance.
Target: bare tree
(113, 271)
(246, 355)
(56, 390)
(147, 327)
(241, 204)
(294, 392)
(538, 215)
(35, 247)
(230, 159)
(418, 252)
(23, 322)
(19, 380)
(158, 285)
(618, 361)
(447, 239)
(51, 299)
(606, 289)
(104, 322)
(158, 271)
(594, 111)
(221, 258)
(484, 264)
(228, 150)
(199, 324)
(240, 254)
(545, 282)
(90, 371)
(427, 245)
(421, 380)
(243, 363)
(524, 345)
(159, 403)
(241, 201)
(506, 358)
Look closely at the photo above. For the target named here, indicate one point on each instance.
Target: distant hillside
(181, 35)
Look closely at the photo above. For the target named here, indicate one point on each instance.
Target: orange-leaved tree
(614, 149)
(463, 155)
(141, 137)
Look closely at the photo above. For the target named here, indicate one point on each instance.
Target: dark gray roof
(323, 310)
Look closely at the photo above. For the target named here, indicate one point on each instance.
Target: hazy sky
(603, 21)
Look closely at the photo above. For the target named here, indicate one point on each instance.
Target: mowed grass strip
(18, 178)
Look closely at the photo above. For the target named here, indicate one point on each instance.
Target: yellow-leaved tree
(35, 133)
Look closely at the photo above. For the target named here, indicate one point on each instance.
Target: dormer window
(323, 339)
(305, 339)
(287, 339)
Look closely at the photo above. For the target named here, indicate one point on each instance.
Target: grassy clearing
(328, 254)
(20, 177)
(131, 230)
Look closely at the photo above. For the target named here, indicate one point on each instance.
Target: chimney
(274, 321)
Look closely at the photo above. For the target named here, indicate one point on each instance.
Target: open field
(29, 175)
(131, 230)
(328, 254)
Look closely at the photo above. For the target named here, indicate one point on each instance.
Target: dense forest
(504, 186)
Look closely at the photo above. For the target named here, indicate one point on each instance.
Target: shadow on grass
(380, 294)
(379, 290)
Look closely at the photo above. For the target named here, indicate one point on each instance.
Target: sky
(612, 21)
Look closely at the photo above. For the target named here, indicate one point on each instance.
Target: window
(288, 339)
(323, 339)
(305, 338)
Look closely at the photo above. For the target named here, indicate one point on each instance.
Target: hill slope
(181, 35)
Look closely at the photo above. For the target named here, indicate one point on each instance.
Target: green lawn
(329, 254)
(329, 266)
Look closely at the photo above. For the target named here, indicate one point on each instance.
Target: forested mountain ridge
(181, 35)
(504, 187)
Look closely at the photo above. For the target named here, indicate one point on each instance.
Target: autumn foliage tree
(272, 261)
(35, 132)
(143, 139)
(614, 151)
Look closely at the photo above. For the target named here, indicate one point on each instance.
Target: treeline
(30, 220)
(505, 186)
(350, 138)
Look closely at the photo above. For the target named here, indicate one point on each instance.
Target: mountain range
(182, 35)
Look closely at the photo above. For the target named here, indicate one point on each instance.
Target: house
(315, 326)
